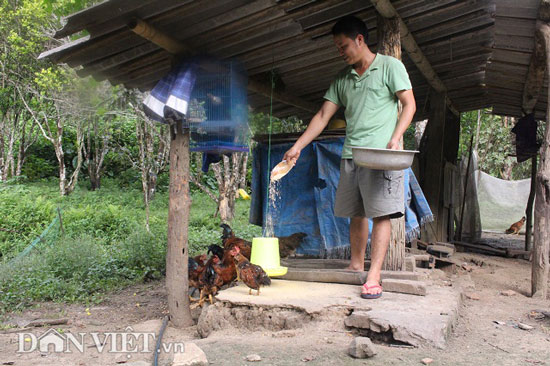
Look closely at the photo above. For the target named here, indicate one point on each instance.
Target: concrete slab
(309, 297)
(415, 320)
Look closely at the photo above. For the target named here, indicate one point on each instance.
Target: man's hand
(393, 145)
(292, 155)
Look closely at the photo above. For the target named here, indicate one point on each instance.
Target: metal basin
(382, 159)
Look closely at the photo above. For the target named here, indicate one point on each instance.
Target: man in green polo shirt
(369, 89)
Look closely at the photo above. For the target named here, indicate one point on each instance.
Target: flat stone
(405, 286)
(427, 361)
(253, 358)
(287, 305)
(426, 321)
(149, 326)
(524, 326)
(410, 264)
(138, 363)
(472, 295)
(508, 293)
(193, 356)
(361, 347)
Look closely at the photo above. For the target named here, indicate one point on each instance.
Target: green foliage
(105, 245)
(260, 124)
(496, 147)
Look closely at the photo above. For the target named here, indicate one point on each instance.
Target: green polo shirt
(370, 101)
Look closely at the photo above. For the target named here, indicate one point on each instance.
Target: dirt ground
(476, 340)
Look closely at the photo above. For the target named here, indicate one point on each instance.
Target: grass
(104, 245)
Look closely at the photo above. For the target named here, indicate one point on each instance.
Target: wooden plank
(510, 57)
(447, 14)
(514, 43)
(457, 26)
(515, 27)
(332, 13)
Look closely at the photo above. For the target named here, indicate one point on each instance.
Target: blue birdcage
(218, 108)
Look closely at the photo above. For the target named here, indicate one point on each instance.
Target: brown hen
(251, 274)
(516, 226)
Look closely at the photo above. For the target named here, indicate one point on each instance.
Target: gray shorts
(364, 192)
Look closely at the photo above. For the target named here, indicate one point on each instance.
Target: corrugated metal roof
(463, 41)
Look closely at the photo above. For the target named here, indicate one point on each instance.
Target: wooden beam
(175, 47)
(386, 9)
(537, 67)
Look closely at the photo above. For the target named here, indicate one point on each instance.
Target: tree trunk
(74, 177)
(541, 242)
(177, 254)
(389, 43)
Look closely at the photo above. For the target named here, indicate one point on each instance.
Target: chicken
(210, 281)
(229, 241)
(289, 244)
(216, 250)
(194, 270)
(516, 226)
(251, 274)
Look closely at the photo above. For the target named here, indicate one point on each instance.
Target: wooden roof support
(541, 240)
(537, 67)
(386, 9)
(175, 47)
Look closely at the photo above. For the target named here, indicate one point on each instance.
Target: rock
(149, 326)
(122, 358)
(410, 264)
(427, 361)
(508, 293)
(253, 358)
(467, 267)
(405, 286)
(138, 363)
(499, 322)
(472, 295)
(524, 326)
(193, 356)
(361, 347)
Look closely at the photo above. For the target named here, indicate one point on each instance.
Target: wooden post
(541, 242)
(530, 203)
(389, 43)
(178, 221)
(432, 163)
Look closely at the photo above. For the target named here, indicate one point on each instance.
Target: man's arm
(316, 126)
(406, 97)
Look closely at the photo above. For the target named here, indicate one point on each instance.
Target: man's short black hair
(351, 26)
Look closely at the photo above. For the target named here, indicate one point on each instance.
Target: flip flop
(371, 296)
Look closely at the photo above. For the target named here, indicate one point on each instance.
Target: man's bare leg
(380, 240)
(358, 236)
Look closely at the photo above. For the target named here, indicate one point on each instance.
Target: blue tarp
(306, 202)
(307, 193)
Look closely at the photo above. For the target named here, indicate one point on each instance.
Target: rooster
(229, 241)
(251, 274)
(210, 281)
(516, 226)
(195, 268)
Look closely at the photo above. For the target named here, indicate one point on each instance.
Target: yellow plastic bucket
(265, 253)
